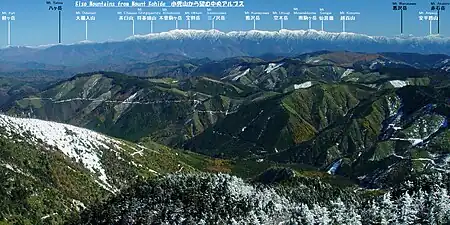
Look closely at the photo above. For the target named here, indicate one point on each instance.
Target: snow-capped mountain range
(215, 44)
(282, 34)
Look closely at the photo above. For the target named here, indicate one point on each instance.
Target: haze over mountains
(214, 44)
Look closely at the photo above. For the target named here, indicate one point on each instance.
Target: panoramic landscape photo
(229, 113)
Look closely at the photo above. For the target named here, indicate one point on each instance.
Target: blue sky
(35, 25)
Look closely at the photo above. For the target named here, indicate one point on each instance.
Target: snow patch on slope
(413, 141)
(272, 67)
(15, 169)
(121, 108)
(48, 216)
(394, 104)
(376, 64)
(78, 205)
(241, 75)
(90, 84)
(347, 72)
(94, 104)
(313, 60)
(399, 83)
(334, 167)
(131, 98)
(423, 129)
(303, 85)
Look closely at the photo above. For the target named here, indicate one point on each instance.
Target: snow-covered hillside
(78, 144)
(303, 85)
